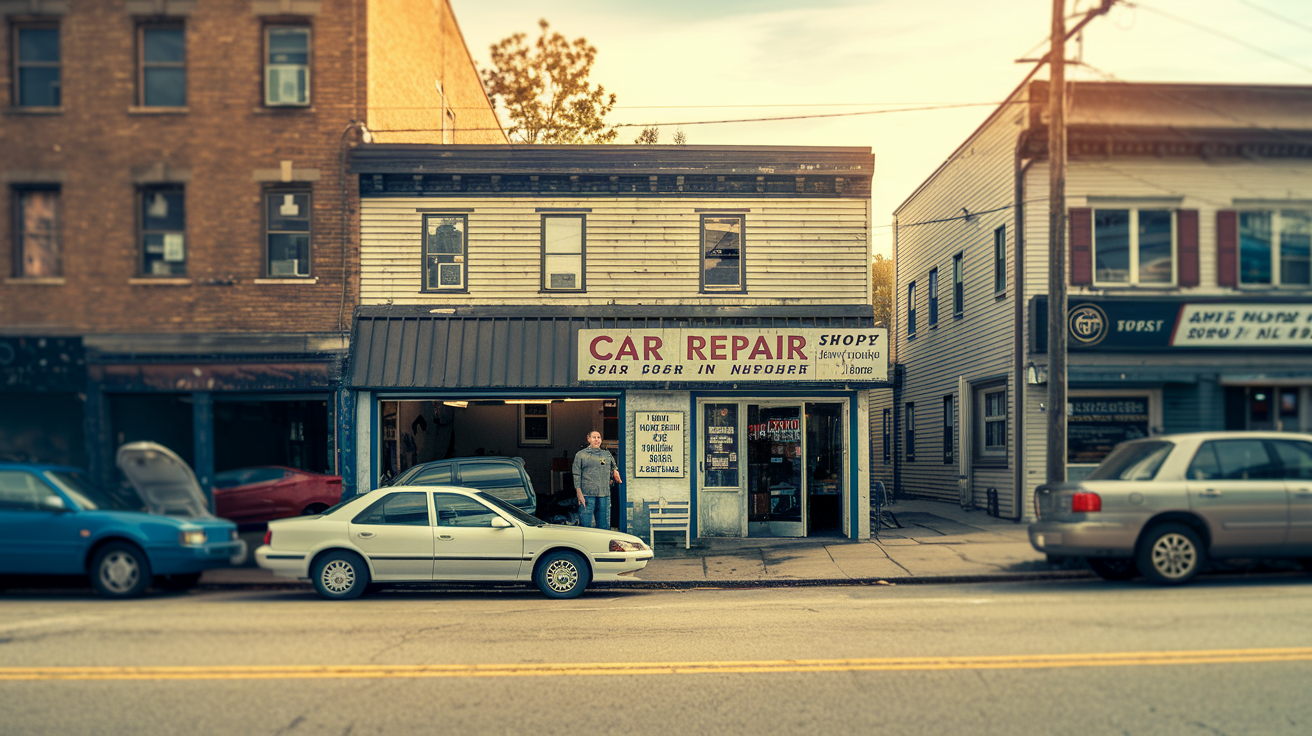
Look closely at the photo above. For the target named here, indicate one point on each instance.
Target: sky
(683, 61)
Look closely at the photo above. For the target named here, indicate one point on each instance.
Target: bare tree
(545, 89)
(649, 136)
(680, 138)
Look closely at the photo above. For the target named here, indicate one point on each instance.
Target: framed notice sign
(658, 441)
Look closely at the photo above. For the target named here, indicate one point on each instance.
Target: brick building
(182, 227)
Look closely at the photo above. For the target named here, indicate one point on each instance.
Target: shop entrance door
(776, 485)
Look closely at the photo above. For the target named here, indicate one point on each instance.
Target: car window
(456, 510)
(502, 480)
(1133, 461)
(1204, 465)
(439, 476)
(1245, 460)
(22, 491)
(90, 497)
(246, 476)
(398, 508)
(1295, 459)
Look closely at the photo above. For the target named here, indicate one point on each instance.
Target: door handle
(445, 537)
(1210, 492)
(364, 535)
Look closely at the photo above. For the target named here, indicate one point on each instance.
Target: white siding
(639, 251)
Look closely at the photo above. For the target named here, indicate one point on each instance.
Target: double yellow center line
(893, 664)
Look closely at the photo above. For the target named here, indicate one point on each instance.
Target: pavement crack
(765, 565)
(405, 639)
(298, 720)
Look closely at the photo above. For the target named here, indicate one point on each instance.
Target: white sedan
(440, 533)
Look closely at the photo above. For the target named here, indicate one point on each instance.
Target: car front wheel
(1171, 554)
(562, 575)
(120, 571)
(340, 576)
(1112, 568)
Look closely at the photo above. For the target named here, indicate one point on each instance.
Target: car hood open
(165, 483)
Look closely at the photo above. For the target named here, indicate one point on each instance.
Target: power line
(692, 107)
(1277, 16)
(1226, 36)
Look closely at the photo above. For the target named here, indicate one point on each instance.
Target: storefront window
(1094, 425)
(721, 449)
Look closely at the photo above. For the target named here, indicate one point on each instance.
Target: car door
(250, 497)
(1296, 466)
(1236, 486)
(396, 534)
(468, 547)
(39, 533)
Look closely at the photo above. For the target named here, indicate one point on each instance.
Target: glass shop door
(775, 480)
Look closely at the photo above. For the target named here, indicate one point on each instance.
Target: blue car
(55, 521)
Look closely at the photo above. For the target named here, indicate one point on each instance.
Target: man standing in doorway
(593, 469)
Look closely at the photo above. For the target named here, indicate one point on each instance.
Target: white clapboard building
(1190, 288)
(707, 309)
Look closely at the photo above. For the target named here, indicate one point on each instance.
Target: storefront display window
(721, 448)
(1095, 425)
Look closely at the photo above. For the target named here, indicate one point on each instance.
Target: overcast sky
(696, 60)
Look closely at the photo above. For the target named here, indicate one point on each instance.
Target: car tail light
(268, 537)
(1085, 501)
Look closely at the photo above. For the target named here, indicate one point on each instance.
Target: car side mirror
(54, 503)
(500, 523)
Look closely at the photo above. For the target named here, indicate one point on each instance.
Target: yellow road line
(300, 672)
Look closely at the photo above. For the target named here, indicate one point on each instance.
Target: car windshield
(1133, 461)
(512, 510)
(90, 497)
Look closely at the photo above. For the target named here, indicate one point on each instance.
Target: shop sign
(1164, 324)
(1095, 425)
(720, 355)
(659, 444)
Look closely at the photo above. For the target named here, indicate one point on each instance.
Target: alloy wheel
(338, 576)
(119, 572)
(1174, 555)
(562, 576)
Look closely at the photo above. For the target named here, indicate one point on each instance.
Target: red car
(254, 495)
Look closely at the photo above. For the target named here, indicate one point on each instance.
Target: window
(163, 232)
(1295, 459)
(439, 476)
(38, 252)
(21, 491)
(287, 232)
(1233, 460)
(610, 419)
(36, 66)
(888, 437)
(910, 448)
(408, 508)
(563, 251)
(994, 418)
(948, 435)
(933, 297)
(499, 479)
(911, 309)
(722, 253)
(445, 268)
(1000, 260)
(287, 66)
(535, 424)
(162, 66)
(1134, 247)
(958, 285)
(1275, 248)
(456, 510)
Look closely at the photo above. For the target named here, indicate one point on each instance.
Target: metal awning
(491, 347)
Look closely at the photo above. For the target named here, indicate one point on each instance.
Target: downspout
(1018, 338)
(893, 414)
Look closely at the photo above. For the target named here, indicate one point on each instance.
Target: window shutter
(1081, 246)
(1227, 246)
(1187, 246)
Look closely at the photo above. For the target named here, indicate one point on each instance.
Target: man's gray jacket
(592, 471)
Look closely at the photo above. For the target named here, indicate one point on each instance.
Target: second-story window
(445, 266)
(564, 247)
(958, 285)
(911, 309)
(1000, 260)
(287, 232)
(1275, 248)
(287, 66)
(162, 66)
(37, 249)
(722, 253)
(163, 231)
(1133, 247)
(933, 297)
(36, 66)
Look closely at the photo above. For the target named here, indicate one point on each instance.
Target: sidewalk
(938, 543)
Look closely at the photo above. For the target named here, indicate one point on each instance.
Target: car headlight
(192, 537)
(232, 535)
(620, 545)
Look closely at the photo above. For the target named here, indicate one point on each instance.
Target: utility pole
(1056, 465)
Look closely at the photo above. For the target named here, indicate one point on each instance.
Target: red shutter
(1187, 246)
(1227, 248)
(1081, 246)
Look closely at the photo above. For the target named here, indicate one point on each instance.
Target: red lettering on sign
(739, 344)
(717, 346)
(593, 347)
(650, 346)
(779, 347)
(795, 345)
(627, 348)
(695, 345)
(761, 348)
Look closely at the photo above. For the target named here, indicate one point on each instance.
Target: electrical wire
(1221, 34)
(1277, 16)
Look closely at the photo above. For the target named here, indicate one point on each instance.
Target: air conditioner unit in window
(562, 281)
(287, 84)
(450, 276)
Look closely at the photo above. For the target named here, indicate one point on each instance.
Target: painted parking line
(301, 672)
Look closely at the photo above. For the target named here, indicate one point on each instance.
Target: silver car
(1163, 506)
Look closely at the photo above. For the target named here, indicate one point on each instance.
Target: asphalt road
(1219, 657)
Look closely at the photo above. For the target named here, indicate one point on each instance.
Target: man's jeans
(595, 512)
